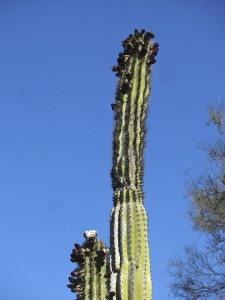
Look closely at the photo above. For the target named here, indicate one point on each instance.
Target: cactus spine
(128, 264)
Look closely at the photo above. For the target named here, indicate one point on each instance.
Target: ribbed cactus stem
(91, 279)
(129, 232)
(125, 273)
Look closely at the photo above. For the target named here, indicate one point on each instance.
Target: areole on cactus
(123, 273)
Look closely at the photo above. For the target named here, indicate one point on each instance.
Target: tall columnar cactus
(124, 273)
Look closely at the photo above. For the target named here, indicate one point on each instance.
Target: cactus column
(124, 273)
(129, 247)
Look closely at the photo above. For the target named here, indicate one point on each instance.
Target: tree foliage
(200, 273)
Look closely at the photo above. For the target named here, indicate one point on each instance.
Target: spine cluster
(129, 236)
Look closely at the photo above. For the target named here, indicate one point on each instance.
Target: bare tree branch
(200, 273)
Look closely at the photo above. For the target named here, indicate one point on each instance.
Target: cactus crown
(124, 274)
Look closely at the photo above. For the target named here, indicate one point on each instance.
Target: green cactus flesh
(129, 233)
(125, 273)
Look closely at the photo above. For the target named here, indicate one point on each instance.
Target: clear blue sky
(56, 87)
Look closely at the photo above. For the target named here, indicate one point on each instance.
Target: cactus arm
(91, 279)
(129, 244)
